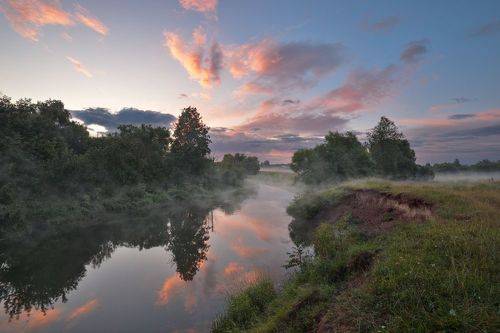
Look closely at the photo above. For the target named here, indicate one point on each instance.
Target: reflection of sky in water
(141, 291)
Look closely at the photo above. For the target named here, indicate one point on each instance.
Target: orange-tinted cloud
(31, 321)
(27, 16)
(79, 67)
(202, 63)
(204, 6)
(87, 19)
(84, 309)
(171, 286)
(233, 268)
(246, 251)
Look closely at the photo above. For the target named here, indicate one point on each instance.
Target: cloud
(27, 16)
(461, 116)
(204, 6)
(457, 101)
(233, 268)
(277, 148)
(102, 117)
(386, 24)
(202, 63)
(79, 67)
(85, 308)
(415, 51)
(330, 111)
(290, 101)
(66, 36)
(246, 251)
(171, 286)
(488, 29)
(84, 17)
(462, 100)
(469, 137)
(279, 66)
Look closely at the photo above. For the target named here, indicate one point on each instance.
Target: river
(167, 276)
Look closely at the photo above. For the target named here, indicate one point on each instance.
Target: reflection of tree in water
(188, 241)
(36, 275)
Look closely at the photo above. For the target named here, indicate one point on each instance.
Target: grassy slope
(439, 275)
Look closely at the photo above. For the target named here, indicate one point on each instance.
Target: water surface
(165, 274)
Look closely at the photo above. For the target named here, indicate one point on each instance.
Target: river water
(164, 275)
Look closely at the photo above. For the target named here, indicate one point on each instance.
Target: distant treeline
(45, 155)
(456, 167)
(387, 153)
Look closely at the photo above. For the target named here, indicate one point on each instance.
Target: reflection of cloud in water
(31, 321)
(246, 251)
(85, 308)
(233, 268)
(171, 286)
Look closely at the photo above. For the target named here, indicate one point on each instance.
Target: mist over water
(164, 274)
(467, 176)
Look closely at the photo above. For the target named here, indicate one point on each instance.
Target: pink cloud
(204, 6)
(278, 66)
(84, 309)
(202, 64)
(330, 111)
(87, 19)
(79, 67)
(27, 16)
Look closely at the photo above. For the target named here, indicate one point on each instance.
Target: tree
(190, 146)
(346, 156)
(341, 157)
(391, 151)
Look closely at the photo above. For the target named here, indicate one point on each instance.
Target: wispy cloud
(79, 67)
(204, 6)
(27, 16)
(415, 51)
(203, 63)
(87, 19)
(469, 136)
(488, 29)
(84, 309)
(386, 24)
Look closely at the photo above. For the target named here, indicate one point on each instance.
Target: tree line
(456, 167)
(387, 153)
(43, 153)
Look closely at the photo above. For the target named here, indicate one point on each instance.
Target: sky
(268, 77)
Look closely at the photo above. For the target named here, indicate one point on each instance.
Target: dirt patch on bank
(376, 212)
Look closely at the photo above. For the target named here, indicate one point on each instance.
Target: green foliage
(233, 168)
(341, 157)
(50, 167)
(331, 241)
(244, 308)
(391, 151)
(190, 147)
(456, 166)
(387, 154)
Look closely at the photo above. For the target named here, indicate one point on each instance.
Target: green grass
(438, 275)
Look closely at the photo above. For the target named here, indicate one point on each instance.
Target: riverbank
(389, 256)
